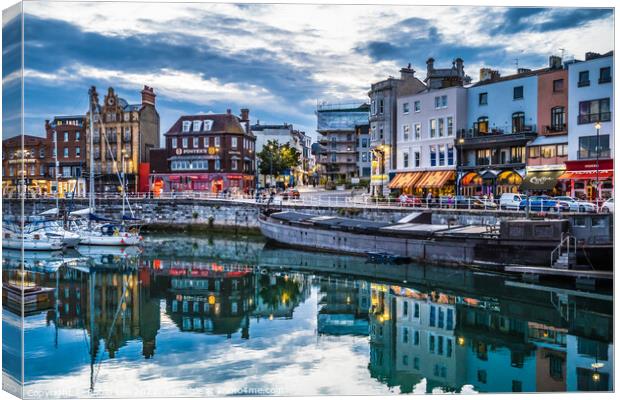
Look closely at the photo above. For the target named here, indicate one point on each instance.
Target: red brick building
(24, 165)
(67, 134)
(209, 152)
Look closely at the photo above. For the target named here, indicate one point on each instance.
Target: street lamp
(270, 165)
(598, 129)
(459, 164)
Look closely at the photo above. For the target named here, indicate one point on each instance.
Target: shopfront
(539, 182)
(588, 179)
(490, 182)
(439, 183)
(210, 182)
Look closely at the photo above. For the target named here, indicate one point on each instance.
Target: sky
(277, 60)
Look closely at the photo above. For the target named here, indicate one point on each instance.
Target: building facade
(590, 104)
(206, 152)
(24, 166)
(336, 125)
(123, 136)
(427, 125)
(383, 125)
(67, 141)
(364, 156)
(502, 118)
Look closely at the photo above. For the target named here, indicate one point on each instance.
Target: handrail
(557, 251)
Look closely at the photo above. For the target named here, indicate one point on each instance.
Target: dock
(567, 273)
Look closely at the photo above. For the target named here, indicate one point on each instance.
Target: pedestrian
(429, 197)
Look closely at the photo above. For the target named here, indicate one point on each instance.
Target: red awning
(174, 178)
(586, 175)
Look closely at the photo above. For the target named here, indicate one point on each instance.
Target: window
(185, 142)
(405, 335)
(433, 152)
(517, 386)
(518, 122)
(381, 106)
(405, 360)
(77, 152)
(482, 376)
(416, 106)
(547, 151)
(558, 119)
(216, 141)
(483, 99)
(416, 338)
(77, 136)
(364, 142)
(448, 347)
(417, 128)
(65, 152)
(440, 127)
(534, 151)
(431, 321)
(373, 107)
(416, 161)
(555, 367)
(432, 127)
(41, 153)
(440, 345)
(584, 79)
(218, 165)
(605, 75)
(416, 363)
(173, 142)
(233, 165)
(42, 170)
(197, 125)
(233, 142)
(450, 123)
(431, 343)
(558, 85)
(187, 126)
(405, 132)
(482, 126)
(66, 136)
(195, 142)
(588, 147)
(405, 163)
(450, 154)
(517, 93)
(405, 108)
(437, 102)
(381, 132)
(449, 319)
(562, 150)
(444, 101)
(207, 124)
(594, 111)
(442, 161)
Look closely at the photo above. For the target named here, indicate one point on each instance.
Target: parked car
(290, 194)
(543, 203)
(511, 201)
(577, 205)
(608, 206)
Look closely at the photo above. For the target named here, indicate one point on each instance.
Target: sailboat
(100, 231)
(17, 239)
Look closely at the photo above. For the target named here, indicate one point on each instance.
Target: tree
(276, 158)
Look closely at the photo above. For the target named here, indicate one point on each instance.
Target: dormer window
(197, 125)
(187, 126)
(208, 124)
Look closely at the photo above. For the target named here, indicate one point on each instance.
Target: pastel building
(502, 114)
(590, 104)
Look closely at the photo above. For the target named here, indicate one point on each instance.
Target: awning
(427, 179)
(587, 175)
(540, 180)
(174, 178)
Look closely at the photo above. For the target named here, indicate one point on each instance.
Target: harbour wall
(198, 214)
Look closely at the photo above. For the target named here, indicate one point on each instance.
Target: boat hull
(32, 245)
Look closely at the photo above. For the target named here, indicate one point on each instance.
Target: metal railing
(565, 242)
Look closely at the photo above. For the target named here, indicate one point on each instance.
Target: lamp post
(459, 164)
(598, 129)
(270, 166)
(123, 155)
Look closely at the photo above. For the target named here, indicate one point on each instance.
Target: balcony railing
(591, 154)
(605, 79)
(476, 131)
(593, 118)
(551, 129)
(497, 161)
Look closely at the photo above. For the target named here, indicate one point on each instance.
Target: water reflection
(232, 317)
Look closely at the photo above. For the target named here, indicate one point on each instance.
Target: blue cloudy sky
(277, 60)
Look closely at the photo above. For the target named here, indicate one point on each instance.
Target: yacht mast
(91, 183)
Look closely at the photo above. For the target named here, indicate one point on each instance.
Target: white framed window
(405, 108)
(197, 125)
(195, 142)
(233, 165)
(416, 163)
(416, 106)
(187, 126)
(432, 128)
(381, 106)
(218, 164)
(173, 142)
(216, 141)
(66, 136)
(405, 132)
(233, 142)
(444, 101)
(208, 124)
(442, 154)
(417, 131)
(450, 126)
(405, 160)
(65, 152)
(77, 136)
(185, 143)
(440, 127)
(77, 152)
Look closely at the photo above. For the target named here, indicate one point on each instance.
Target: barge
(573, 242)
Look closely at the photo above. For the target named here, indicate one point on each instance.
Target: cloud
(548, 19)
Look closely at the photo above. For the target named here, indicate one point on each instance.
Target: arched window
(558, 119)
(518, 122)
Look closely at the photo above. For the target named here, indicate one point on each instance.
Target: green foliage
(275, 158)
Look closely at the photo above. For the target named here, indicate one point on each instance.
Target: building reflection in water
(529, 339)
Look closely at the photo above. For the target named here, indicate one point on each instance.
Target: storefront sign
(25, 161)
(589, 165)
(180, 151)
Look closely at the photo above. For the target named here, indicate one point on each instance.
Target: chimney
(407, 72)
(429, 66)
(148, 95)
(523, 70)
(555, 62)
(459, 67)
(228, 111)
(245, 114)
(488, 74)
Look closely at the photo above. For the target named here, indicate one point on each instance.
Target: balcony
(591, 154)
(496, 138)
(554, 129)
(583, 83)
(594, 118)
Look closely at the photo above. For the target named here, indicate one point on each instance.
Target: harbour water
(200, 316)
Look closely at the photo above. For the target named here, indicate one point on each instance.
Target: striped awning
(426, 179)
(587, 175)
